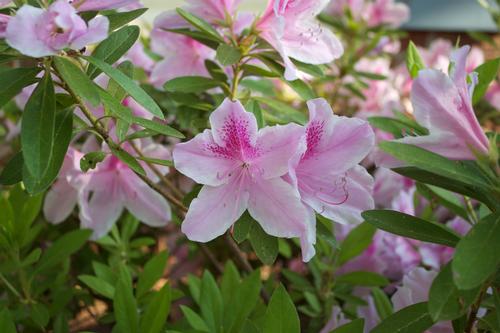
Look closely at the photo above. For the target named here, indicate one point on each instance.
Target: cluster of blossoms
(283, 175)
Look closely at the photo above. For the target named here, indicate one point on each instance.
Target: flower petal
(214, 211)
(276, 205)
(60, 201)
(198, 159)
(97, 31)
(143, 202)
(277, 145)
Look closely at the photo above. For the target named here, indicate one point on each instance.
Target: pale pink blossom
(388, 185)
(337, 319)
(443, 105)
(36, 32)
(388, 12)
(182, 55)
(4, 20)
(415, 289)
(493, 95)
(138, 56)
(290, 26)
(241, 168)
(103, 193)
(91, 5)
(4, 3)
(326, 170)
(338, 7)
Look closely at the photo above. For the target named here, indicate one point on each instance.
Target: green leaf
(382, 303)
(356, 242)
(253, 106)
(113, 48)
(367, 279)
(211, 305)
(153, 271)
(129, 160)
(195, 320)
(201, 25)
(117, 20)
(155, 316)
(265, 246)
(216, 71)
(397, 127)
(282, 113)
(134, 90)
(77, 81)
(281, 315)
(191, 84)
(62, 138)
(125, 306)
(414, 61)
(446, 302)
(230, 282)
(355, 326)
(446, 198)
(62, 248)
(370, 75)
(98, 285)
(157, 127)
(429, 161)
(487, 72)
(12, 81)
(227, 55)
(39, 314)
(6, 323)
(242, 227)
(302, 89)
(114, 89)
(90, 160)
(412, 319)
(37, 128)
(13, 171)
(412, 227)
(243, 302)
(156, 161)
(476, 256)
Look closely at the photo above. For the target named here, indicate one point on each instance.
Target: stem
(237, 252)
(236, 81)
(470, 210)
(10, 286)
(473, 314)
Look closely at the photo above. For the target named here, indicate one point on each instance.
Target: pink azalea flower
(4, 3)
(415, 289)
(388, 185)
(388, 12)
(443, 105)
(493, 95)
(326, 170)
(139, 58)
(36, 32)
(213, 10)
(91, 5)
(182, 56)
(241, 168)
(104, 192)
(290, 26)
(338, 7)
(4, 20)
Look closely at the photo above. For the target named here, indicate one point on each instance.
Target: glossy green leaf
(227, 55)
(194, 319)
(119, 19)
(38, 127)
(412, 227)
(253, 106)
(412, 319)
(356, 242)
(155, 316)
(157, 127)
(397, 127)
(191, 84)
(132, 88)
(90, 160)
(264, 245)
(242, 227)
(487, 72)
(62, 137)
(153, 271)
(113, 48)
(414, 62)
(355, 326)
(98, 285)
(12, 81)
(125, 306)
(129, 160)
(62, 248)
(201, 25)
(211, 305)
(77, 81)
(39, 314)
(6, 322)
(367, 279)
(446, 302)
(382, 303)
(281, 315)
(476, 256)
(12, 173)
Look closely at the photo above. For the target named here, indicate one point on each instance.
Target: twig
(237, 252)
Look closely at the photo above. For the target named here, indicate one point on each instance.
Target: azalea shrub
(298, 170)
